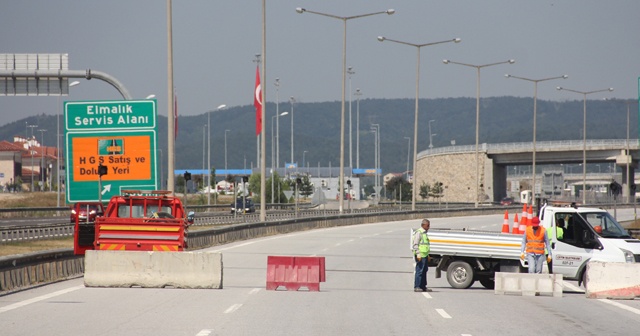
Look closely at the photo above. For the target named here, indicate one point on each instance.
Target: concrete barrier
(153, 269)
(528, 284)
(610, 280)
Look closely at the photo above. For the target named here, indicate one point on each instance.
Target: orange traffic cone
(530, 215)
(523, 219)
(505, 224)
(515, 230)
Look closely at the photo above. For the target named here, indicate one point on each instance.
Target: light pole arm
(344, 18)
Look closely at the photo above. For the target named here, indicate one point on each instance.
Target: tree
(437, 191)
(397, 184)
(278, 196)
(306, 188)
(180, 184)
(424, 190)
(254, 186)
(393, 184)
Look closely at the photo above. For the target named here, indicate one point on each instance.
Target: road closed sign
(119, 135)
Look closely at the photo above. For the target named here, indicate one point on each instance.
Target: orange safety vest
(535, 241)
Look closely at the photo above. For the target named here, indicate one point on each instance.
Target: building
(26, 160)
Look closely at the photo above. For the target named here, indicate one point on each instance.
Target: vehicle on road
(86, 211)
(243, 205)
(589, 234)
(136, 221)
(507, 201)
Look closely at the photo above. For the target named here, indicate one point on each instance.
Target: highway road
(368, 291)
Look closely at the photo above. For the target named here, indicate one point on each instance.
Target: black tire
(488, 283)
(460, 275)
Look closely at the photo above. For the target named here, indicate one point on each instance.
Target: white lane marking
(465, 335)
(233, 308)
(350, 240)
(621, 306)
(443, 313)
(572, 287)
(205, 332)
(426, 295)
(253, 291)
(39, 298)
(260, 240)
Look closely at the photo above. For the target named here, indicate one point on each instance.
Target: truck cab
(136, 220)
(579, 235)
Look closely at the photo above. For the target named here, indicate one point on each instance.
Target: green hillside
(317, 125)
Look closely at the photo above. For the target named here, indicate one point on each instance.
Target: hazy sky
(595, 42)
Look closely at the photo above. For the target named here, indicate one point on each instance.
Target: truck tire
(460, 275)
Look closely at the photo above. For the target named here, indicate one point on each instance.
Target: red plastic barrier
(295, 272)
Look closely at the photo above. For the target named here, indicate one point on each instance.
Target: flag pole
(263, 160)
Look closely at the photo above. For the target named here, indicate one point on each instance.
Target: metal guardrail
(60, 230)
(35, 232)
(34, 212)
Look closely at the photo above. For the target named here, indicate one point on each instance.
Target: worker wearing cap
(534, 243)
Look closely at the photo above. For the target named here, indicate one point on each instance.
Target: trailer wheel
(460, 275)
(488, 283)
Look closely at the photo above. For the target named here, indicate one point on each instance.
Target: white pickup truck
(589, 234)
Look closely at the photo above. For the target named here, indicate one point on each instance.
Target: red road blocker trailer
(136, 221)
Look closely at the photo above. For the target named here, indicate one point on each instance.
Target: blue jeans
(535, 262)
(421, 274)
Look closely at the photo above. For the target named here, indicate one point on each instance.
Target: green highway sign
(98, 115)
(122, 137)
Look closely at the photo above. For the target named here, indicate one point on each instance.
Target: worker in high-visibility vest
(534, 243)
(420, 249)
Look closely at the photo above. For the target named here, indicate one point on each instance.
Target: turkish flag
(257, 102)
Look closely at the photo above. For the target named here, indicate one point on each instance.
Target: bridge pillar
(623, 161)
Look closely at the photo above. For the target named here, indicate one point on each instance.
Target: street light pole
(430, 135)
(277, 85)
(376, 127)
(408, 154)
(278, 137)
(626, 188)
(375, 159)
(225, 151)
(42, 157)
(535, 111)
(58, 157)
(350, 72)
(358, 94)
(584, 135)
(303, 154)
(292, 100)
(203, 156)
(31, 152)
(415, 121)
(478, 67)
(220, 107)
(344, 20)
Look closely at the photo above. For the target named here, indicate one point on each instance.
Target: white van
(586, 234)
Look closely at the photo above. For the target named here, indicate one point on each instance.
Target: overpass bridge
(454, 166)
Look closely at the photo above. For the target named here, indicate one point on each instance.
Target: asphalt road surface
(368, 291)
